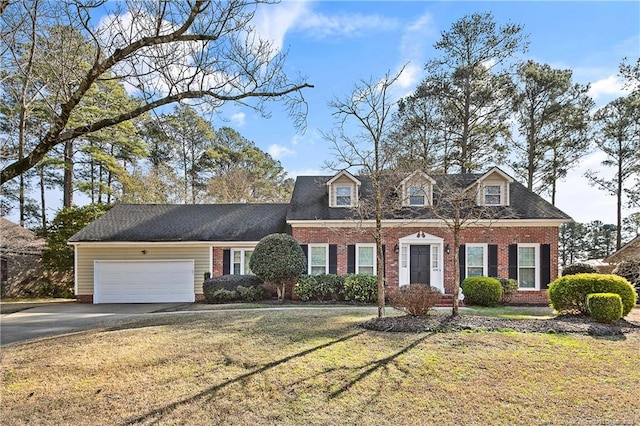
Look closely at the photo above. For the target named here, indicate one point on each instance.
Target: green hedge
(578, 268)
(483, 291)
(569, 293)
(605, 307)
(320, 287)
(361, 288)
(230, 288)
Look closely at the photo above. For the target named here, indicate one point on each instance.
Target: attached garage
(162, 281)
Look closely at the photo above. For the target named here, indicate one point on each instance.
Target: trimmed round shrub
(230, 282)
(578, 268)
(361, 288)
(509, 286)
(630, 270)
(568, 294)
(278, 259)
(229, 288)
(605, 307)
(221, 295)
(483, 291)
(251, 294)
(415, 299)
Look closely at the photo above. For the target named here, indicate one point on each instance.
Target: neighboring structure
(20, 258)
(160, 253)
(629, 251)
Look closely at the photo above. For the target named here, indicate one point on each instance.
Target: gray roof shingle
(195, 222)
(310, 200)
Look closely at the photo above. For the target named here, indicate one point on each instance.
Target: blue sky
(336, 44)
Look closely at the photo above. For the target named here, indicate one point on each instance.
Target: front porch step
(446, 301)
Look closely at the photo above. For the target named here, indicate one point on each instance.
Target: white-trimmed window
(240, 261)
(417, 195)
(492, 195)
(476, 261)
(528, 266)
(318, 259)
(343, 196)
(435, 261)
(366, 259)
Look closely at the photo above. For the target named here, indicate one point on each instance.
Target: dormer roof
(341, 174)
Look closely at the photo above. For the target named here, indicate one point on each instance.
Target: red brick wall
(502, 236)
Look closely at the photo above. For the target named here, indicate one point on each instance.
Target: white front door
(421, 260)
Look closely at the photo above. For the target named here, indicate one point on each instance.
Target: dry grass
(315, 367)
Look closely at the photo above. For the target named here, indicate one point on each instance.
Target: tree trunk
(620, 179)
(43, 208)
(67, 190)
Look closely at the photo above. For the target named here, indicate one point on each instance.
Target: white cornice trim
(233, 244)
(436, 223)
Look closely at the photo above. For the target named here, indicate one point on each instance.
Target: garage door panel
(143, 282)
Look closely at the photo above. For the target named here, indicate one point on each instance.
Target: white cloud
(239, 119)
(345, 25)
(415, 36)
(279, 151)
(273, 22)
(611, 86)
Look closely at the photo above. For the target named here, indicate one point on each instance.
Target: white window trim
(335, 195)
(326, 256)
(375, 257)
(536, 246)
(242, 262)
(485, 260)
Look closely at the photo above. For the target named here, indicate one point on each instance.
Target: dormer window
(417, 195)
(492, 195)
(343, 196)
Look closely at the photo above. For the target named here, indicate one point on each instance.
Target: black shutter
(351, 259)
(545, 265)
(333, 258)
(226, 262)
(513, 261)
(492, 261)
(305, 250)
(384, 261)
(462, 259)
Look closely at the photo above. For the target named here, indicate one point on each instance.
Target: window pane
(527, 277)
(434, 257)
(527, 256)
(474, 272)
(318, 260)
(365, 256)
(492, 194)
(236, 269)
(475, 256)
(416, 196)
(343, 196)
(365, 270)
(236, 256)
(247, 258)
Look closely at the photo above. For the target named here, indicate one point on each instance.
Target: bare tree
(368, 109)
(458, 205)
(163, 52)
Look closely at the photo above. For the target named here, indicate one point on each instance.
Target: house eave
(396, 223)
(239, 244)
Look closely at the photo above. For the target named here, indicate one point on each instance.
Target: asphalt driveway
(60, 318)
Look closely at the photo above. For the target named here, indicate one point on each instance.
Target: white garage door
(143, 282)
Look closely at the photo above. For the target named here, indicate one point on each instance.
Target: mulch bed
(438, 323)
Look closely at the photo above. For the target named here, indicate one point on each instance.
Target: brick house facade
(519, 241)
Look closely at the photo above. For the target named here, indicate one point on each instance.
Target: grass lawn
(315, 367)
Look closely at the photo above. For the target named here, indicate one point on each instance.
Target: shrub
(483, 291)
(361, 288)
(509, 286)
(320, 287)
(220, 295)
(251, 294)
(415, 299)
(578, 268)
(569, 293)
(630, 270)
(605, 307)
(278, 259)
(227, 288)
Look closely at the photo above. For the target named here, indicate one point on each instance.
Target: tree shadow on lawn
(158, 413)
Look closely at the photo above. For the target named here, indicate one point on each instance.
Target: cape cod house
(161, 253)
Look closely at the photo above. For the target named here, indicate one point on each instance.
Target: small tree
(278, 259)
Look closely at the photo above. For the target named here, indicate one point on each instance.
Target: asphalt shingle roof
(195, 222)
(310, 200)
